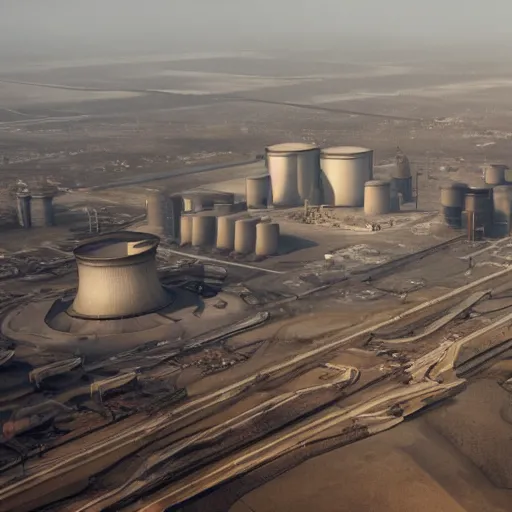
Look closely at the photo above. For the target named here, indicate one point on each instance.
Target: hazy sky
(29, 23)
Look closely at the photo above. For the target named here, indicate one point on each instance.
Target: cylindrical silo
(257, 191)
(174, 211)
(453, 203)
(267, 238)
(377, 195)
(502, 201)
(117, 277)
(478, 204)
(495, 174)
(245, 235)
(345, 170)
(186, 229)
(23, 210)
(156, 212)
(453, 195)
(226, 232)
(294, 170)
(41, 211)
(203, 229)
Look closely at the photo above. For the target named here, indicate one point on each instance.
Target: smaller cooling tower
(204, 227)
(41, 210)
(245, 235)
(267, 238)
(377, 197)
(117, 277)
(186, 229)
(345, 170)
(23, 210)
(294, 170)
(495, 174)
(257, 191)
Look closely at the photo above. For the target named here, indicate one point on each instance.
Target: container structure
(377, 197)
(186, 229)
(267, 239)
(156, 213)
(494, 174)
(204, 227)
(257, 192)
(245, 235)
(478, 208)
(294, 170)
(453, 203)
(188, 205)
(502, 201)
(345, 170)
(23, 210)
(226, 232)
(117, 277)
(174, 211)
(41, 211)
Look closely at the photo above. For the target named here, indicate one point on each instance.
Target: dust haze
(257, 379)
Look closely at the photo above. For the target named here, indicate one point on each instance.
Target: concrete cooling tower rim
(291, 147)
(120, 248)
(344, 152)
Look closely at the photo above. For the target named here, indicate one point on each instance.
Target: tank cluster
(483, 211)
(339, 176)
(210, 219)
(35, 210)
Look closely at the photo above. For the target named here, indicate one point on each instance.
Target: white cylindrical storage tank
(226, 232)
(294, 170)
(245, 235)
(117, 277)
(345, 170)
(453, 195)
(203, 229)
(185, 230)
(257, 191)
(377, 197)
(267, 238)
(495, 174)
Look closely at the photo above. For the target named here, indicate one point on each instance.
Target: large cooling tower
(345, 170)
(453, 195)
(117, 277)
(495, 174)
(377, 197)
(294, 170)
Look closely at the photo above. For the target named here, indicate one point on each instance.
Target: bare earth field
(104, 132)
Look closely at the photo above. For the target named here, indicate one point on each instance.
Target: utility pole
(416, 186)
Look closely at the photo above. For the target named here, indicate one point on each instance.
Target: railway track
(43, 479)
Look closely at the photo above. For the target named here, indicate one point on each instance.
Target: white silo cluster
(340, 176)
(240, 233)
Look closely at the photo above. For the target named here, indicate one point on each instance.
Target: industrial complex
(255, 284)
